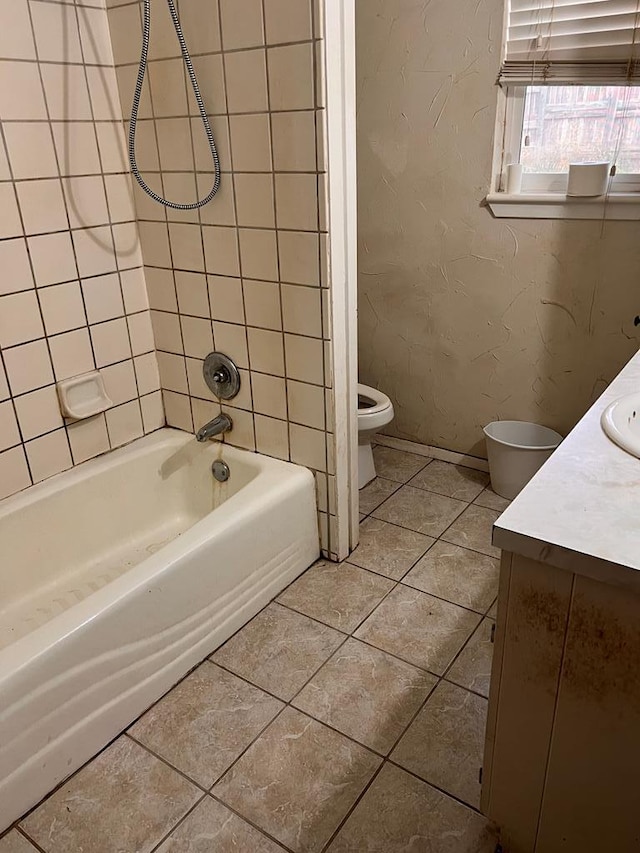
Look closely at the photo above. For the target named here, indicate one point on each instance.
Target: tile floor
(347, 716)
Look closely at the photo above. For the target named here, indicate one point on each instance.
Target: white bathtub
(119, 576)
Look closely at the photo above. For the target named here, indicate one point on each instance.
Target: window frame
(544, 195)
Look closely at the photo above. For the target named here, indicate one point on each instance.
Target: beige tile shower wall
(464, 318)
(72, 291)
(245, 274)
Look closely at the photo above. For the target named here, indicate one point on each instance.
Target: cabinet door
(592, 794)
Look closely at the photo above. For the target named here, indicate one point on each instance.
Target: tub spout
(217, 426)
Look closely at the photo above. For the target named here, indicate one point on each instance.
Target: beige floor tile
(13, 842)
(418, 510)
(298, 781)
(375, 492)
(457, 574)
(445, 742)
(124, 800)
(205, 722)
(401, 814)
(493, 611)
(490, 500)
(337, 594)
(366, 694)
(388, 549)
(418, 628)
(279, 650)
(473, 530)
(472, 667)
(397, 465)
(212, 828)
(454, 481)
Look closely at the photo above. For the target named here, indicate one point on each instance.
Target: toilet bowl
(375, 410)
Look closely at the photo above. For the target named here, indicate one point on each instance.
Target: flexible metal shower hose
(144, 56)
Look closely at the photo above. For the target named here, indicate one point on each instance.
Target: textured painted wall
(464, 318)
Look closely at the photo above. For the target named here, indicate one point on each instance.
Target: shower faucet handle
(221, 375)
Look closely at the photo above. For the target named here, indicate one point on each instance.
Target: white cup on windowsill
(588, 179)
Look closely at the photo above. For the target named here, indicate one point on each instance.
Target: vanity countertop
(582, 509)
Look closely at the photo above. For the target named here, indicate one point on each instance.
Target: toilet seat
(377, 411)
(375, 401)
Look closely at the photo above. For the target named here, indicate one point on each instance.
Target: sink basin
(621, 422)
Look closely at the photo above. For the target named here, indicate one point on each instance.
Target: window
(570, 92)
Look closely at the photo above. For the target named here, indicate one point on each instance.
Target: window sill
(560, 206)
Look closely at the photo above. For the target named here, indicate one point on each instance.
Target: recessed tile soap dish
(83, 396)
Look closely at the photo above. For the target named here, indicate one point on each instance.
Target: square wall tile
(304, 358)
(42, 206)
(56, 31)
(28, 367)
(294, 141)
(258, 254)
(226, 299)
(161, 289)
(299, 257)
(62, 307)
(94, 35)
(94, 250)
(140, 332)
(297, 201)
(16, 38)
(14, 263)
(102, 297)
(23, 100)
(167, 81)
(193, 296)
(71, 353)
(4, 384)
(48, 455)
(124, 423)
(251, 143)
(272, 437)
(287, 20)
(262, 304)
(134, 290)
(246, 77)
(88, 438)
(19, 319)
(31, 151)
(308, 447)
(174, 144)
(208, 68)
(76, 148)
(120, 198)
(202, 32)
(167, 332)
(178, 411)
(67, 92)
(254, 200)
(14, 473)
(197, 336)
(147, 373)
(186, 246)
(301, 313)
(232, 340)
(266, 354)
(306, 404)
(153, 415)
(103, 93)
(220, 250)
(52, 258)
(241, 23)
(243, 434)
(86, 201)
(173, 373)
(120, 382)
(291, 84)
(269, 395)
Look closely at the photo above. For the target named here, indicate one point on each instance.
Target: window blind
(572, 42)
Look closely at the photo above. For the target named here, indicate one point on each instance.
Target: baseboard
(433, 452)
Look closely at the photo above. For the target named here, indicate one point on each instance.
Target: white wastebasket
(516, 450)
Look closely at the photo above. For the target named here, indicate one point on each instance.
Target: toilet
(375, 410)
